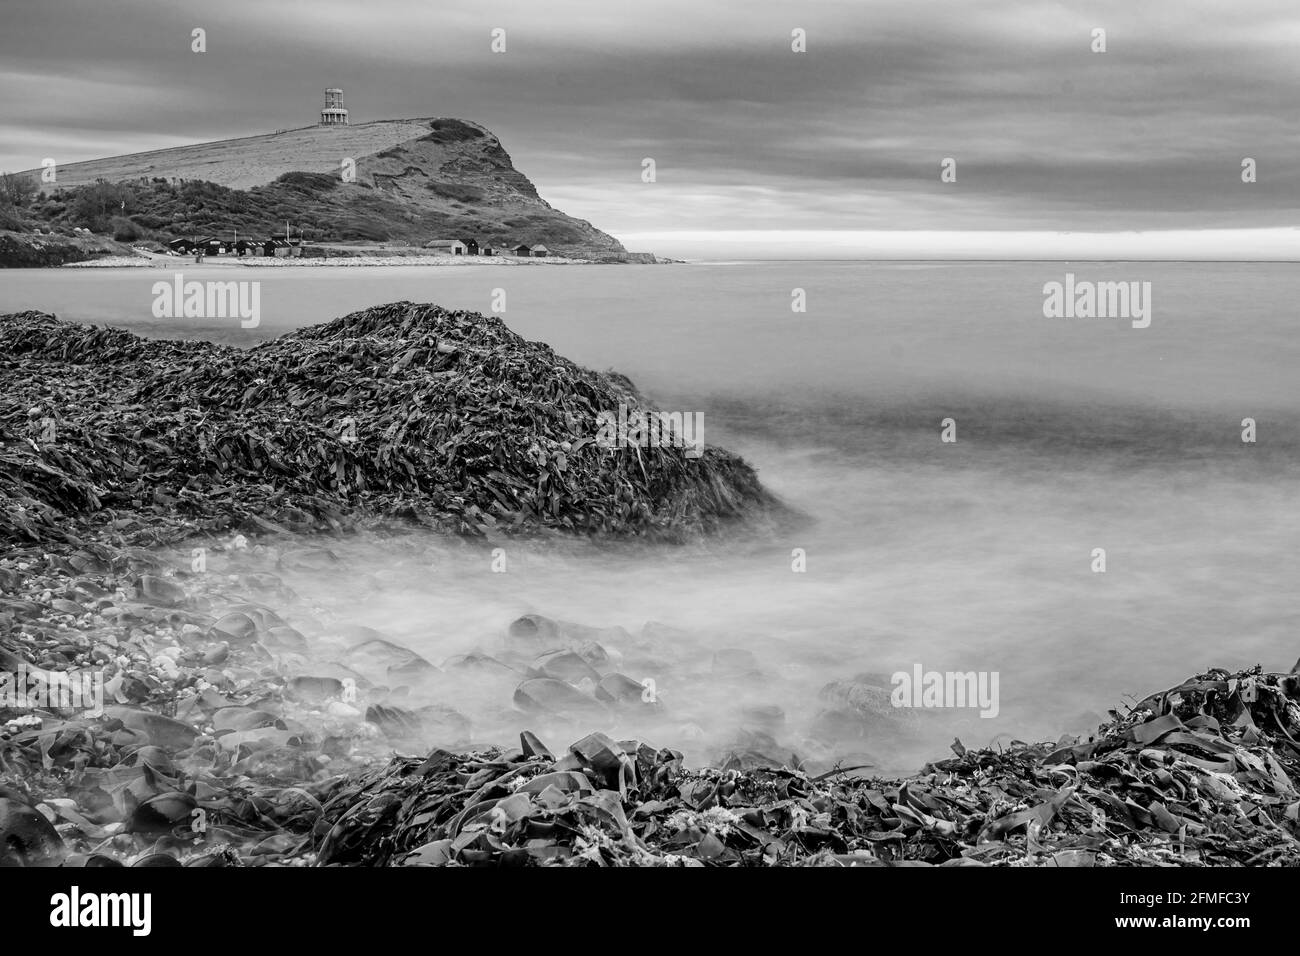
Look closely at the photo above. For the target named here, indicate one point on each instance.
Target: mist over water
(972, 556)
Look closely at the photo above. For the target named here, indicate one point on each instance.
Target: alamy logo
(133, 910)
(30, 688)
(946, 689)
(1101, 300)
(179, 299)
(641, 429)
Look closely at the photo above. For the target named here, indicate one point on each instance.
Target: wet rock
(443, 724)
(656, 632)
(768, 718)
(164, 732)
(753, 749)
(9, 661)
(621, 689)
(434, 724)
(283, 638)
(22, 609)
(263, 617)
(547, 695)
(157, 859)
(159, 591)
(383, 657)
(27, 838)
(235, 628)
(308, 559)
(736, 662)
(216, 654)
(315, 690)
(396, 722)
(476, 661)
(87, 561)
(868, 694)
(162, 813)
(354, 634)
(599, 656)
(86, 589)
(533, 628)
(263, 581)
(566, 666)
(861, 707)
(244, 718)
(342, 674)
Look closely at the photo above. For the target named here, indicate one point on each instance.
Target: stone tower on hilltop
(333, 114)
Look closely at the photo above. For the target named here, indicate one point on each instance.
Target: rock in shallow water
(533, 628)
(619, 689)
(861, 708)
(433, 725)
(735, 662)
(381, 658)
(550, 696)
(566, 666)
(26, 837)
(159, 591)
(235, 628)
(165, 732)
(308, 559)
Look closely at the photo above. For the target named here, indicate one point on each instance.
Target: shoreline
(116, 262)
(206, 710)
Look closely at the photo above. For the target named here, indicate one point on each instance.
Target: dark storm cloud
(745, 133)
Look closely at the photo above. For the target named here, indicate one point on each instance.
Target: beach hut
(249, 247)
(446, 247)
(210, 246)
(521, 250)
(541, 250)
(181, 247)
(471, 247)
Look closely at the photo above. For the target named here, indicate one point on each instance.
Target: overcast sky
(746, 134)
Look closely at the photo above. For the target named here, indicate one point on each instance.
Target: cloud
(746, 134)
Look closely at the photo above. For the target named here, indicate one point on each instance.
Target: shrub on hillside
(94, 206)
(124, 230)
(16, 192)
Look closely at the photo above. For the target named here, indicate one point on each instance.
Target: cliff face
(394, 180)
(459, 174)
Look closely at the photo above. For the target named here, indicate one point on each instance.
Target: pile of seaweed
(408, 411)
(1201, 774)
